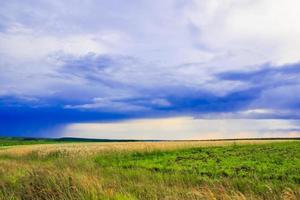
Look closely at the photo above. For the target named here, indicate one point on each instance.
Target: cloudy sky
(84, 67)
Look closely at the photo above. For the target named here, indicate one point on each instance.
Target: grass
(13, 141)
(158, 170)
(7, 141)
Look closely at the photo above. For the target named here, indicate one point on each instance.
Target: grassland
(152, 170)
(13, 141)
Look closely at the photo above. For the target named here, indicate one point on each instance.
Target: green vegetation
(13, 141)
(272, 162)
(248, 171)
(7, 141)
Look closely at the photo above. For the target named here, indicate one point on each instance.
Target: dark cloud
(272, 95)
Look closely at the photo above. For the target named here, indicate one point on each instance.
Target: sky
(150, 69)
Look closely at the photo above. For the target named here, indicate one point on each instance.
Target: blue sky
(64, 63)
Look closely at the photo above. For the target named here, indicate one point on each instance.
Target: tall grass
(260, 171)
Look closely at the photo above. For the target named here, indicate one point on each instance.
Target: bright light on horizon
(185, 128)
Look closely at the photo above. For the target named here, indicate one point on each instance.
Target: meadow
(151, 170)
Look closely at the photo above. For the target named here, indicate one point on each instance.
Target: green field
(13, 141)
(161, 170)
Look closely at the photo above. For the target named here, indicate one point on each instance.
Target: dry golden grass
(82, 148)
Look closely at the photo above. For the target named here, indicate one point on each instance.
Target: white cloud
(253, 32)
(121, 103)
(26, 45)
(108, 104)
(161, 102)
